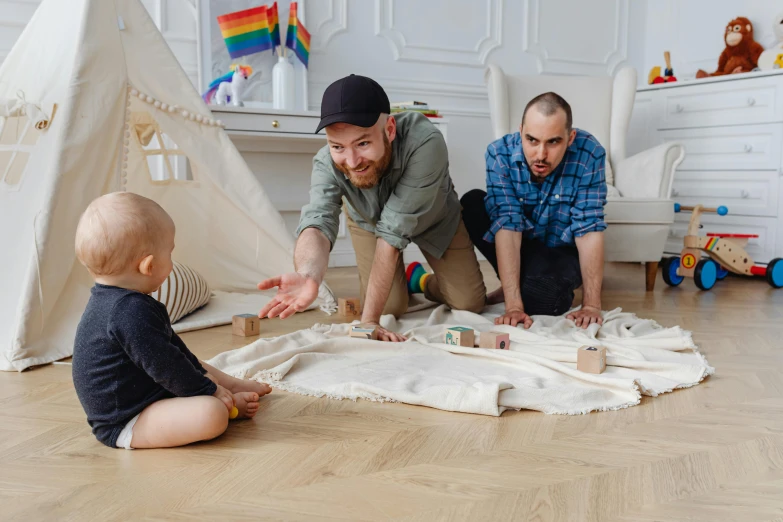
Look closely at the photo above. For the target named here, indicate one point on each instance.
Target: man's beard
(375, 169)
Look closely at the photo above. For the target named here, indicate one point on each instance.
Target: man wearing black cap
(393, 173)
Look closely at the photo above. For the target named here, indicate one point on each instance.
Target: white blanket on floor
(538, 372)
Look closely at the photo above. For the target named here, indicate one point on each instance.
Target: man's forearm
(591, 261)
(508, 247)
(381, 278)
(311, 255)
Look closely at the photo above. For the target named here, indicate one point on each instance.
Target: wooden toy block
(461, 336)
(246, 325)
(349, 307)
(364, 331)
(495, 340)
(591, 359)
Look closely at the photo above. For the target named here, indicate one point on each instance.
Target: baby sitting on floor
(137, 381)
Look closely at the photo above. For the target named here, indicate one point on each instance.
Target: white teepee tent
(116, 100)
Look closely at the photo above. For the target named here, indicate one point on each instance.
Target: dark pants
(548, 276)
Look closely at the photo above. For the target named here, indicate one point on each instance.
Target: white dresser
(279, 146)
(732, 131)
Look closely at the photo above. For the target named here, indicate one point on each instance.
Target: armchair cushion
(649, 173)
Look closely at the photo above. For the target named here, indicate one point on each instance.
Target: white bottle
(283, 88)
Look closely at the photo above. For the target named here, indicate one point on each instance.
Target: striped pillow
(183, 292)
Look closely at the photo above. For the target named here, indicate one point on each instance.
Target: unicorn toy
(229, 87)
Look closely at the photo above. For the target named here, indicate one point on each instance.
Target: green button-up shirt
(414, 201)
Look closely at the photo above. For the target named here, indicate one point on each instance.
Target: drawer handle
(679, 108)
(275, 124)
(751, 102)
(744, 194)
(748, 148)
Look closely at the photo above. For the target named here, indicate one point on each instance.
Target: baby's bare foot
(247, 404)
(243, 385)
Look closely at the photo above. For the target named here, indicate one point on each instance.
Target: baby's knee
(213, 418)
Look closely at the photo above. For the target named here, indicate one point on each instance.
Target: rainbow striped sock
(417, 278)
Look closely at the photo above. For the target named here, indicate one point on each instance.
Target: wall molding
(475, 56)
(547, 63)
(336, 23)
(452, 94)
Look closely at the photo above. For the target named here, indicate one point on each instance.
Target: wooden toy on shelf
(668, 73)
(725, 253)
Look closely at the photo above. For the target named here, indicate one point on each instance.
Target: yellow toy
(234, 413)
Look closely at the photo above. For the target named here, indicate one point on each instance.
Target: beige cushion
(183, 292)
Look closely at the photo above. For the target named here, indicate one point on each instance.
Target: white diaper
(126, 435)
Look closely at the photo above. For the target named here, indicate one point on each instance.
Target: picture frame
(214, 60)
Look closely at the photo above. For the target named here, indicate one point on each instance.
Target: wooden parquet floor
(712, 452)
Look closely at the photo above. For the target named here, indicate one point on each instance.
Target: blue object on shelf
(722, 210)
(676, 207)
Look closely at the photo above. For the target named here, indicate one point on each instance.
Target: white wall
(436, 50)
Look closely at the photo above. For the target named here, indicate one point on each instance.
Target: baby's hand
(225, 396)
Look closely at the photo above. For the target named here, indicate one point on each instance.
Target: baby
(137, 381)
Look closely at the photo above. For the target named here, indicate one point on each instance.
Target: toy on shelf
(229, 87)
(668, 73)
(772, 58)
(725, 253)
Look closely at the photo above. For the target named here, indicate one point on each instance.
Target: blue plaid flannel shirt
(569, 203)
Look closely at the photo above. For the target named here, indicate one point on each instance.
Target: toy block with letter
(364, 331)
(349, 307)
(246, 325)
(499, 341)
(591, 359)
(461, 336)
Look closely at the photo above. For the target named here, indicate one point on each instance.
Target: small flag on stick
(246, 32)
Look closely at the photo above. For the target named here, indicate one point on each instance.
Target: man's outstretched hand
(514, 317)
(586, 316)
(295, 293)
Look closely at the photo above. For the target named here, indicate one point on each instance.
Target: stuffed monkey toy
(741, 53)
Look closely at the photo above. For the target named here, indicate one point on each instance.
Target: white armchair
(639, 210)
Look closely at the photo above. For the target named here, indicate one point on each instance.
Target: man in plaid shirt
(541, 221)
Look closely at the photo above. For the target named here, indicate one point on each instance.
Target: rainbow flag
(297, 38)
(274, 25)
(290, 35)
(246, 32)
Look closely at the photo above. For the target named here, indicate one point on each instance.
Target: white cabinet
(732, 131)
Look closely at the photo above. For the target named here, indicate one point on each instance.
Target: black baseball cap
(356, 100)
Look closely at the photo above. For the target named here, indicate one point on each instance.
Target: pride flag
(297, 38)
(246, 32)
(274, 25)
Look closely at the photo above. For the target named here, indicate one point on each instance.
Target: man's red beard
(375, 169)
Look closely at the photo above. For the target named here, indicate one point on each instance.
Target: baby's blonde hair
(118, 229)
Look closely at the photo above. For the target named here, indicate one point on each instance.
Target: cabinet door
(743, 147)
(745, 193)
(722, 103)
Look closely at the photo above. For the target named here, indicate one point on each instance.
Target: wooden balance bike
(725, 253)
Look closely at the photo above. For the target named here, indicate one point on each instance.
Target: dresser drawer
(745, 193)
(745, 147)
(260, 122)
(723, 103)
(761, 249)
